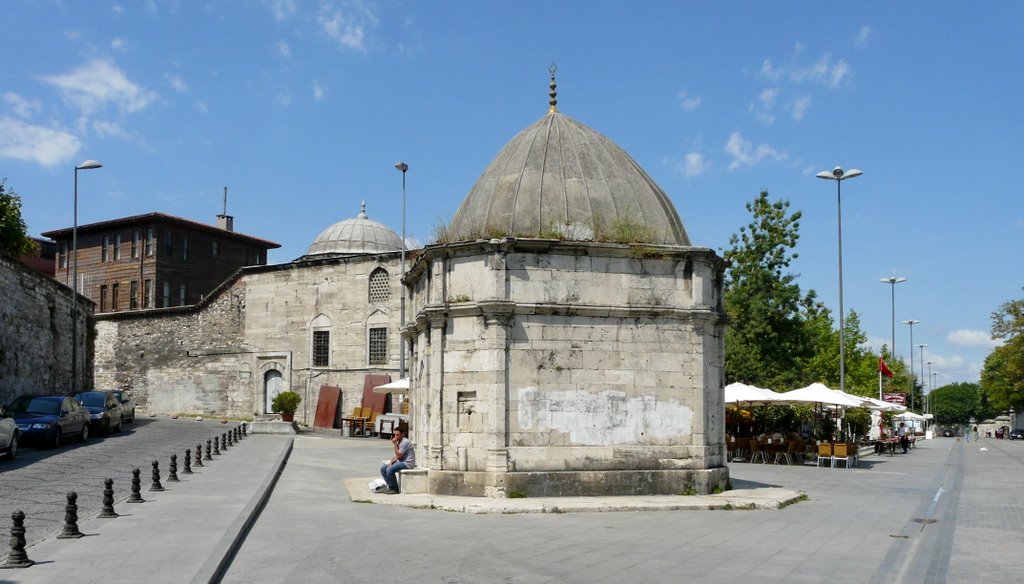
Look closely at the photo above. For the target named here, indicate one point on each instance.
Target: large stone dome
(559, 178)
(356, 236)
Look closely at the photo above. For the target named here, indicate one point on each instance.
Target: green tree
(956, 403)
(1002, 377)
(766, 338)
(14, 239)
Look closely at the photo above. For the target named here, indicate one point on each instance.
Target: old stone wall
(222, 356)
(35, 333)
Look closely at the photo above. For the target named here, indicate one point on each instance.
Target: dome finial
(362, 210)
(554, 93)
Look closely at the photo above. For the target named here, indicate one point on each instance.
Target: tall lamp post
(921, 347)
(403, 168)
(911, 324)
(931, 387)
(891, 281)
(87, 165)
(839, 175)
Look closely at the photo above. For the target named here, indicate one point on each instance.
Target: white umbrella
(400, 386)
(884, 406)
(742, 393)
(910, 416)
(818, 393)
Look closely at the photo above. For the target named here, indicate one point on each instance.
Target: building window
(105, 249)
(115, 293)
(321, 348)
(215, 247)
(182, 294)
(117, 246)
(62, 256)
(167, 294)
(378, 346)
(133, 297)
(149, 241)
(168, 244)
(147, 291)
(380, 286)
(103, 298)
(184, 248)
(135, 244)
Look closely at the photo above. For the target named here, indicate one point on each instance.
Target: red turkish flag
(882, 367)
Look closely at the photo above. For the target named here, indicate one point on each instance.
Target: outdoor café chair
(841, 453)
(825, 453)
(756, 450)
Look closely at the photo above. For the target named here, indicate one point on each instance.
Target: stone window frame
(378, 287)
(377, 349)
(320, 326)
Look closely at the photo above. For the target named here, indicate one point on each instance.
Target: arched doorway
(272, 385)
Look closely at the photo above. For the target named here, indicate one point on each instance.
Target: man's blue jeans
(390, 473)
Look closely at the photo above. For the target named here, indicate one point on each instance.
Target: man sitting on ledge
(404, 458)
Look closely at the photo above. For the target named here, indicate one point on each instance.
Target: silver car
(9, 434)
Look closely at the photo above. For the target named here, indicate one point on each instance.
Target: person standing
(902, 433)
(404, 458)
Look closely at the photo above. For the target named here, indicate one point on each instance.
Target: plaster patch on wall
(604, 419)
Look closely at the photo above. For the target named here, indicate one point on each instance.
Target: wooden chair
(841, 453)
(371, 422)
(825, 453)
(404, 408)
(792, 450)
(756, 451)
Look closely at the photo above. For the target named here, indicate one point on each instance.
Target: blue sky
(302, 108)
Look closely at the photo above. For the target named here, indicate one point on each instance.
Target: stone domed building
(567, 339)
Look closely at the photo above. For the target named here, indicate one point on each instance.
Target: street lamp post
(931, 387)
(403, 168)
(839, 175)
(911, 323)
(87, 165)
(892, 281)
(921, 347)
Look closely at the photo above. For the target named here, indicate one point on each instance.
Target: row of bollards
(17, 558)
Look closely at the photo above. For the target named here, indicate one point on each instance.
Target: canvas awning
(818, 393)
(742, 393)
(399, 386)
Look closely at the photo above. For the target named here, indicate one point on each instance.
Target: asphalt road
(37, 482)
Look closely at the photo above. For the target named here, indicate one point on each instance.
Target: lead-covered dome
(559, 178)
(356, 236)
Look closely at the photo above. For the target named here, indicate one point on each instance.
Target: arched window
(380, 286)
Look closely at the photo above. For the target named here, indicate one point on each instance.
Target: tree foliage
(956, 403)
(14, 239)
(1002, 377)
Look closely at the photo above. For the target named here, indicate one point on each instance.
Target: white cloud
(972, 338)
(745, 153)
(21, 106)
(318, 90)
(282, 9)
(862, 37)
(688, 103)
(93, 85)
(822, 72)
(284, 98)
(176, 83)
(39, 144)
(341, 29)
(800, 106)
(765, 107)
(768, 71)
(120, 45)
(106, 129)
(694, 164)
(201, 107)
(283, 49)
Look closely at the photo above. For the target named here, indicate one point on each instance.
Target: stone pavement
(947, 512)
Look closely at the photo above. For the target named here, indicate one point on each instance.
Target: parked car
(105, 414)
(9, 435)
(1017, 434)
(49, 418)
(947, 433)
(127, 404)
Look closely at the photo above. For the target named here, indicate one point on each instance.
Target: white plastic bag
(378, 486)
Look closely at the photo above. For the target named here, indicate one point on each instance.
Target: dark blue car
(47, 419)
(104, 410)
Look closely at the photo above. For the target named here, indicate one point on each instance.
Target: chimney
(225, 221)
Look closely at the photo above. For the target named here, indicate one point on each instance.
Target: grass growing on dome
(622, 229)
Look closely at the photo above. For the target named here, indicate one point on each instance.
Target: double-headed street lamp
(892, 281)
(921, 347)
(839, 175)
(402, 168)
(911, 324)
(87, 165)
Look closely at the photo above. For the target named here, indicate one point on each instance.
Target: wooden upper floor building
(154, 260)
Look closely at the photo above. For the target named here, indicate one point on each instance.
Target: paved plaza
(950, 511)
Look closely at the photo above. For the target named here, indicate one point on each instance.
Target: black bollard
(224, 442)
(238, 434)
(245, 429)
(108, 499)
(71, 518)
(188, 462)
(199, 454)
(231, 436)
(156, 486)
(209, 451)
(216, 447)
(136, 496)
(17, 558)
(172, 473)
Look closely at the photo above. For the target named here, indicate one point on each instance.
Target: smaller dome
(356, 236)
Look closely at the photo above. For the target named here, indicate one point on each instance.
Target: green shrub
(286, 402)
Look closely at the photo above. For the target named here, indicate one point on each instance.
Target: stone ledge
(272, 427)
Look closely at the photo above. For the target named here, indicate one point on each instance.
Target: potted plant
(285, 403)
